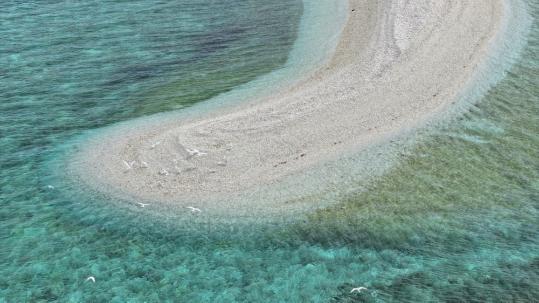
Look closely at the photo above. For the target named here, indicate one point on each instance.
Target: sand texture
(398, 63)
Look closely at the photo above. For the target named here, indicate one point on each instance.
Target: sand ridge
(397, 63)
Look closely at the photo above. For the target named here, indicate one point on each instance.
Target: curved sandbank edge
(329, 172)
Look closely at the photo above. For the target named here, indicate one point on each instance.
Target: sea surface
(456, 220)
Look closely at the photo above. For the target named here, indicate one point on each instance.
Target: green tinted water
(456, 220)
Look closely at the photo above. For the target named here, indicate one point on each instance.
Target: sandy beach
(397, 65)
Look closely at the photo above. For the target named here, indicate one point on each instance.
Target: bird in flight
(142, 204)
(194, 209)
(193, 152)
(90, 278)
(128, 165)
(358, 289)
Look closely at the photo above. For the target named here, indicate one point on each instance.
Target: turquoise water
(456, 220)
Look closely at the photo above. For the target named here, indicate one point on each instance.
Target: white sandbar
(397, 64)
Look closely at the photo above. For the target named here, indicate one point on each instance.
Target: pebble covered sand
(397, 65)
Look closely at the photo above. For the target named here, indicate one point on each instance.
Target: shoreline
(282, 153)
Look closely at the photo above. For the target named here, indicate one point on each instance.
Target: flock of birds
(191, 152)
(187, 153)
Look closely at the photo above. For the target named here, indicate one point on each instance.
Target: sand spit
(397, 64)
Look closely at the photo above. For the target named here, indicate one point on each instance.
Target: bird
(194, 152)
(358, 289)
(155, 144)
(194, 209)
(127, 165)
(90, 278)
(50, 187)
(142, 204)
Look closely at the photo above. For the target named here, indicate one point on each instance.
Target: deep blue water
(457, 220)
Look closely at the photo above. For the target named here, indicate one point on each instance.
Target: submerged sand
(397, 64)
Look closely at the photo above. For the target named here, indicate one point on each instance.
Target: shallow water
(457, 220)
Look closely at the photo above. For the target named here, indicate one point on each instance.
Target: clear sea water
(457, 220)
